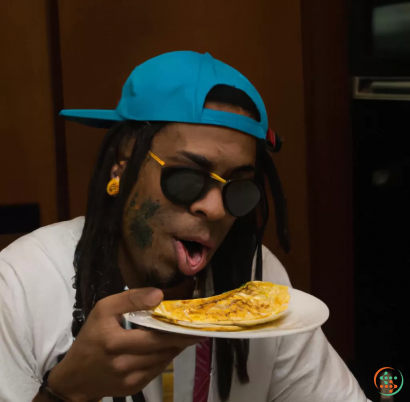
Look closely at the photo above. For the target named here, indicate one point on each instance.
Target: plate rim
(249, 334)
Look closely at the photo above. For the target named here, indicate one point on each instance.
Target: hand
(107, 360)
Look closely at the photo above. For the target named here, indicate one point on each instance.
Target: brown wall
(27, 161)
(329, 157)
(102, 41)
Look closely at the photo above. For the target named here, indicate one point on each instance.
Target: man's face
(156, 250)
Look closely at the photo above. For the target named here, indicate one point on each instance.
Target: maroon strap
(202, 371)
(271, 137)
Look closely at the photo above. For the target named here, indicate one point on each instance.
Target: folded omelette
(252, 304)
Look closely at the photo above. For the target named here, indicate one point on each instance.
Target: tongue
(189, 263)
(195, 257)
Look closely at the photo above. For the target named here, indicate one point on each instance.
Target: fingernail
(153, 298)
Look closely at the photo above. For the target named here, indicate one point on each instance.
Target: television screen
(391, 30)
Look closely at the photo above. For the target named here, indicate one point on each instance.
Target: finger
(128, 363)
(138, 379)
(143, 342)
(129, 301)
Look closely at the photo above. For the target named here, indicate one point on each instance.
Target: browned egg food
(252, 304)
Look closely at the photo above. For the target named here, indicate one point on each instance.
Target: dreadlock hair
(96, 255)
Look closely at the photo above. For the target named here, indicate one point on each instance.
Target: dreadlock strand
(282, 228)
(224, 360)
(241, 348)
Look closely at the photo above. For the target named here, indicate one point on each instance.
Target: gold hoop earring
(113, 187)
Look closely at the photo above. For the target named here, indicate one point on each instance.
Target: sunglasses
(185, 185)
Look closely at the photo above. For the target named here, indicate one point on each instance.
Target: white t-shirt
(36, 301)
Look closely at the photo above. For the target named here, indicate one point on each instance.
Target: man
(177, 208)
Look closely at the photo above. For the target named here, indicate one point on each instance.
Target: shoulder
(52, 237)
(53, 244)
(36, 290)
(273, 270)
(42, 261)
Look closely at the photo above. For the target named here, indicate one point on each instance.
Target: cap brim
(92, 118)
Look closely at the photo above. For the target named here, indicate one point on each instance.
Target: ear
(118, 169)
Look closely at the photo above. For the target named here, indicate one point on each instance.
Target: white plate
(305, 313)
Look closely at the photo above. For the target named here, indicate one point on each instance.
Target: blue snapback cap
(173, 87)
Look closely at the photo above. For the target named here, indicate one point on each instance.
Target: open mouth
(193, 249)
(192, 256)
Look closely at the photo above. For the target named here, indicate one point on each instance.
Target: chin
(164, 277)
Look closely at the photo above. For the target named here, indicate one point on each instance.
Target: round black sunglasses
(185, 185)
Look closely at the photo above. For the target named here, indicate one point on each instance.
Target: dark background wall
(27, 145)
(329, 165)
(27, 158)
(293, 53)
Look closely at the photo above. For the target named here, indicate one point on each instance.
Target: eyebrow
(204, 162)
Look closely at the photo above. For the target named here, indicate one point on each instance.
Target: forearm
(53, 391)
(50, 398)
(44, 398)
(45, 393)
(47, 397)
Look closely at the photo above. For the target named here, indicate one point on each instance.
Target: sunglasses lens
(241, 196)
(182, 186)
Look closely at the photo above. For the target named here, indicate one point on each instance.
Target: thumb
(129, 301)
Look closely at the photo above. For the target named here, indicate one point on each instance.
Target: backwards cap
(173, 87)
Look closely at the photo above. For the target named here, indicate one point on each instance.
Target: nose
(211, 205)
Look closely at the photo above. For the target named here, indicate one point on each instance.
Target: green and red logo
(388, 382)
